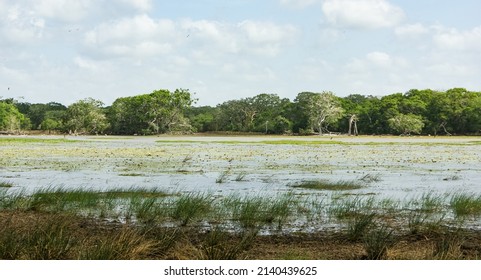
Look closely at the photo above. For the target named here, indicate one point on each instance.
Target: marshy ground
(240, 198)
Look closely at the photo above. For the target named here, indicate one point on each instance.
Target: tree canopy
(456, 111)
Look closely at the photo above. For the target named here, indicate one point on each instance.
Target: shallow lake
(392, 167)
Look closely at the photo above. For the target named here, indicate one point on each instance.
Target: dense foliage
(453, 112)
(158, 112)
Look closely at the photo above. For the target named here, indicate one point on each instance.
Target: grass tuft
(191, 206)
(222, 178)
(377, 242)
(448, 246)
(219, 245)
(329, 186)
(359, 225)
(6, 185)
(240, 177)
(466, 204)
(127, 244)
(370, 178)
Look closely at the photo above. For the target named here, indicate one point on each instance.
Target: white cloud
(377, 73)
(13, 75)
(298, 4)
(140, 5)
(20, 25)
(453, 39)
(412, 30)
(210, 35)
(379, 59)
(267, 38)
(267, 32)
(140, 36)
(362, 13)
(86, 63)
(65, 10)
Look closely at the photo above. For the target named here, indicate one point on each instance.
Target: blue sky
(67, 50)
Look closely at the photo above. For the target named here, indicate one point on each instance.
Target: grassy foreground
(151, 224)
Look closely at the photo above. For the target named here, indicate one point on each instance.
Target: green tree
(281, 125)
(158, 112)
(270, 111)
(406, 124)
(86, 116)
(202, 118)
(50, 124)
(319, 109)
(11, 119)
(300, 111)
(235, 115)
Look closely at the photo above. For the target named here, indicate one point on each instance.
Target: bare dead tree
(443, 126)
(353, 126)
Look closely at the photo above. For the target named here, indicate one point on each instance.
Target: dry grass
(34, 235)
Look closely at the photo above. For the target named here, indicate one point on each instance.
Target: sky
(68, 50)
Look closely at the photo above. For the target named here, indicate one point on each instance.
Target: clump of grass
(370, 178)
(428, 202)
(87, 201)
(416, 221)
(36, 239)
(50, 241)
(377, 242)
(342, 209)
(10, 241)
(191, 206)
(219, 245)
(281, 208)
(254, 212)
(127, 244)
(358, 225)
(6, 185)
(11, 201)
(146, 210)
(240, 177)
(250, 212)
(135, 192)
(164, 238)
(465, 204)
(431, 202)
(452, 178)
(131, 174)
(187, 159)
(329, 186)
(60, 199)
(222, 178)
(448, 246)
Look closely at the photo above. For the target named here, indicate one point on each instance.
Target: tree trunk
(353, 125)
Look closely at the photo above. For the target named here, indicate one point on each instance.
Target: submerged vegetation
(330, 186)
(466, 204)
(5, 184)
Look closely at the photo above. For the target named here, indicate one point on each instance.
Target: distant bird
(8, 88)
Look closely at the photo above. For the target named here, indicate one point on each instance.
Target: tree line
(453, 112)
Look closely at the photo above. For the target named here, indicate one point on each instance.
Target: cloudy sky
(67, 50)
